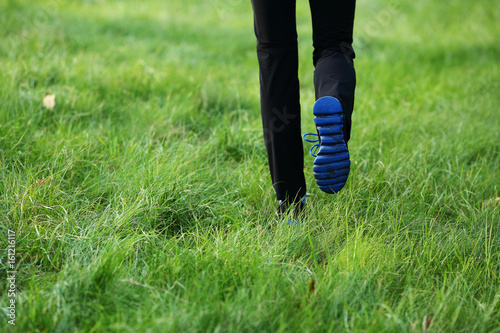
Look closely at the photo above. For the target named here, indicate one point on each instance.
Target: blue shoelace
(314, 149)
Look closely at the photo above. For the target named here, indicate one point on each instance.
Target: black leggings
(334, 75)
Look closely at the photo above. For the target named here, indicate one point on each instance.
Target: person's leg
(279, 87)
(333, 55)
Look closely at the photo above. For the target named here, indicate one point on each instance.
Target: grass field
(142, 201)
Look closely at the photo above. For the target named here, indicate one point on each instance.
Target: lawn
(142, 201)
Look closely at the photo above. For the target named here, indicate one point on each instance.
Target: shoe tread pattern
(332, 164)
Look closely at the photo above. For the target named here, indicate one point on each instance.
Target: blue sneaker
(291, 214)
(331, 163)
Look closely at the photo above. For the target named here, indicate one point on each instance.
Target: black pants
(334, 75)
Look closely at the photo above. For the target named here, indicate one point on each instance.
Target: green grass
(142, 202)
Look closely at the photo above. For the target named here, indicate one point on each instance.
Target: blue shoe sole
(332, 164)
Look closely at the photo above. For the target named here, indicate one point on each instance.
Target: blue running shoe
(331, 163)
(291, 214)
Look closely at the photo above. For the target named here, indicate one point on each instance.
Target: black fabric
(334, 75)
